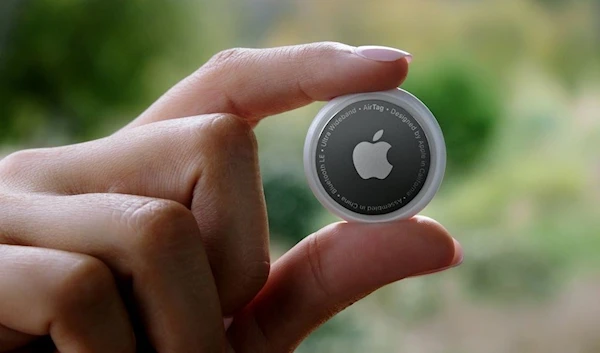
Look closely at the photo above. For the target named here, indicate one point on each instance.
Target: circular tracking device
(375, 157)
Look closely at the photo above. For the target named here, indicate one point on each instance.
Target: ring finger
(71, 297)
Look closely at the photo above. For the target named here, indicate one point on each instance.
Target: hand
(151, 236)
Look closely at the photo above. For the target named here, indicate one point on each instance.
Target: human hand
(147, 238)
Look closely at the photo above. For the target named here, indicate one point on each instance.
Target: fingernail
(227, 322)
(456, 261)
(459, 255)
(379, 53)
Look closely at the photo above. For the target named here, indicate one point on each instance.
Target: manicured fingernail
(379, 53)
(227, 322)
(456, 261)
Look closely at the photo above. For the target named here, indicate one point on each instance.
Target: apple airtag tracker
(375, 157)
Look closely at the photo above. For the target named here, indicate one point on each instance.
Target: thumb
(332, 268)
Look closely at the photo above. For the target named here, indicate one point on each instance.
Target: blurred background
(515, 85)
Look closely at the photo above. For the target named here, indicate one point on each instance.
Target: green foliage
(511, 275)
(554, 4)
(69, 64)
(291, 207)
(465, 103)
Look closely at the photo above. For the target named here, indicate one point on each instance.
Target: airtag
(375, 157)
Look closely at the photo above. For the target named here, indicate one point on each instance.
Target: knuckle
(240, 283)
(18, 162)
(158, 224)
(87, 282)
(328, 46)
(226, 57)
(254, 276)
(232, 128)
(226, 133)
(313, 53)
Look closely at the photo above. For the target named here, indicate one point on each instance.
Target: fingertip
(458, 254)
(415, 245)
(380, 75)
(431, 226)
(445, 250)
(348, 69)
(443, 246)
(426, 245)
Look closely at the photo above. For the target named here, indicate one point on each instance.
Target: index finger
(254, 83)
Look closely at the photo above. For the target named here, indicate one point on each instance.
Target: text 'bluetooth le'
(375, 157)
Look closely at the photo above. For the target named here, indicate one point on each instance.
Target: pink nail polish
(380, 53)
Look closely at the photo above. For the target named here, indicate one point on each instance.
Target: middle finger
(209, 165)
(152, 245)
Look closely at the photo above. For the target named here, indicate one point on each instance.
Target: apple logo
(370, 159)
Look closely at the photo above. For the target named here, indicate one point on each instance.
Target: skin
(144, 240)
